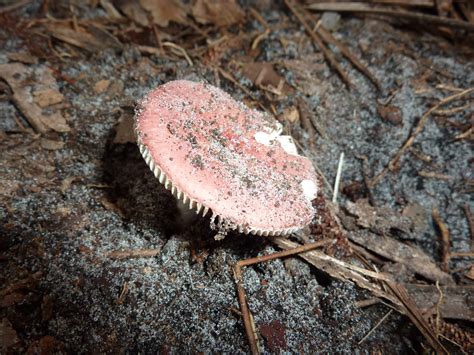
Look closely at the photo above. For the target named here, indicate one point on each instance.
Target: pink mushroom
(217, 155)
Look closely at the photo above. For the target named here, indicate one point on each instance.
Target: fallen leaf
(23, 80)
(264, 75)
(50, 144)
(47, 97)
(134, 11)
(380, 220)
(165, 11)
(217, 12)
(94, 39)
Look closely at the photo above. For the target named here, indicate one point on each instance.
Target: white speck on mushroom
(288, 144)
(310, 190)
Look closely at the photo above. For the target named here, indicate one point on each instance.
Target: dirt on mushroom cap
(205, 142)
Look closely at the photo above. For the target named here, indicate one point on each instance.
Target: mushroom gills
(192, 205)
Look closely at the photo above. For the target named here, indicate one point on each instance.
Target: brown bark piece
(411, 256)
(458, 302)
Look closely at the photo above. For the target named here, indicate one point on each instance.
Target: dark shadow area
(145, 202)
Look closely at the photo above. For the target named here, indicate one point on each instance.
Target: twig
(438, 308)
(329, 38)
(470, 223)
(365, 172)
(445, 239)
(434, 175)
(180, 50)
(315, 37)
(415, 315)
(380, 10)
(249, 329)
(259, 18)
(13, 6)
(452, 111)
(133, 253)
(123, 293)
(338, 177)
(376, 326)
(419, 127)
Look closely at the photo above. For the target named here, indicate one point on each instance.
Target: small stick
(470, 223)
(378, 10)
(246, 316)
(376, 326)
(315, 37)
(123, 293)
(368, 302)
(419, 127)
(329, 38)
(445, 239)
(259, 18)
(133, 253)
(338, 177)
(180, 50)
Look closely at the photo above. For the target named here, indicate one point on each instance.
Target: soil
(66, 207)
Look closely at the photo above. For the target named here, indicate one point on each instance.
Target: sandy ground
(62, 211)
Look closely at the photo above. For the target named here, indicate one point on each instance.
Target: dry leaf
(264, 75)
(165, 11)
(93, 40)
(47, 97)
(217, 12)
(23, 80)
(134, 11)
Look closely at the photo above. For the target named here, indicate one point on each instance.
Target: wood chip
(219, 13)
(134, 12)
(165, 11)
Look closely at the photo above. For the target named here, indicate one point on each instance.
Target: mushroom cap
(215, 153)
